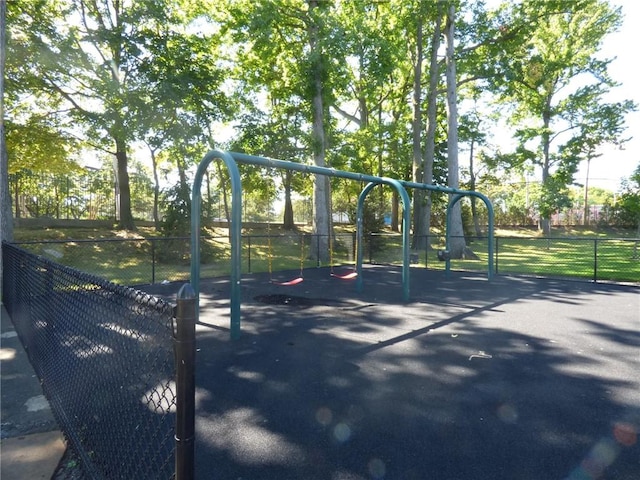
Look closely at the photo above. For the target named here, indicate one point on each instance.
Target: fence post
(317, 250)
(595, 260)
(426, 252)
(249, 253)
(185, 352)
(153, 261)
(496, 252)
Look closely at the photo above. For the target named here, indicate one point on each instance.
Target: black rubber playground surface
(514, 379)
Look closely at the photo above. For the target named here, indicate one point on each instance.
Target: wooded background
(412, 89)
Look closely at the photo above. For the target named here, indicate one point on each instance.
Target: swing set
(353, 274)
(293, 281)
(231, 160)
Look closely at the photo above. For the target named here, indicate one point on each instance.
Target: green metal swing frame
(231, 160)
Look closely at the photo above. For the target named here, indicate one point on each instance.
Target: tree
(627, 206)
(274, 134)
(555, 86)
(471, 133)
(422, 223)
(87, 55)
(6, 218)
(286, 58)
(457, 243)
(322, 224)
(38, 144)
(179, 85)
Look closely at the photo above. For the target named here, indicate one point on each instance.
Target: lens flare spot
(342, 432)
(600, 457)
(507, 413)
(377, 468)
(324, 416)
(625, 434)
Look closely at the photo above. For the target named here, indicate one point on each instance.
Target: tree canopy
(391, 88)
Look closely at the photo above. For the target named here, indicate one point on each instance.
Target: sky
(614, 164)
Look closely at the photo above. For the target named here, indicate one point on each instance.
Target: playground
(470, 379)
(363, 371)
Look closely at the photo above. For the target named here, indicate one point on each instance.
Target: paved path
(512, 379)
(516, 378)
(31, 444)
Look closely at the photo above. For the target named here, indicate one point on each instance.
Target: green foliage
(176, 204)
(556, 86)
(167, 73)
(626, 209)
(176, 225)
(39, 145)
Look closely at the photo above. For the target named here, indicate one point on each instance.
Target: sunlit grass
(133, 260)
(600, 258)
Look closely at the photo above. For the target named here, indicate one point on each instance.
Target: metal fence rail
(141, 261)
(154, 260)
(104, 355)
(595, 259)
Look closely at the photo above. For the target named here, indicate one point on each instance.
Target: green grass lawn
(141, 257)
(585, 257)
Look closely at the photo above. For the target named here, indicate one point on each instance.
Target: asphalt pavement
(31, 445)
(514, 378)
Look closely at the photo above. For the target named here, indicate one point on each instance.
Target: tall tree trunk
(585, 213)
(6, 218)
(432, 120)
(287, 220)
(156, 189)
(223, 182)
(545, 220)
(124, 205)
(458, 244)
(395, 211)
(394, 148)
(472, 186)
(321, 185)
(419, 227)
(379, 153)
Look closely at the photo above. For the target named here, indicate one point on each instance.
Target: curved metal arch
(235, 232)
(490, 247)
(406, 219)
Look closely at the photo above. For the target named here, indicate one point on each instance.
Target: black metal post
(496, 262)
(185, 349)
(426, 251)
(595, 260)
(249, 253)
(153, 261)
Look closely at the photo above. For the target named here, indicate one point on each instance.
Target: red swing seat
(346, 276)
(289, 283)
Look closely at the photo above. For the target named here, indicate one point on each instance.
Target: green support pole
(406, 219)
(490, 247)
(235, 233)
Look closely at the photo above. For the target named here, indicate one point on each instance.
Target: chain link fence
(589, 259)
(105, 357)
(141, 261)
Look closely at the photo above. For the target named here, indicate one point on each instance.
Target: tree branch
(347, 115)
